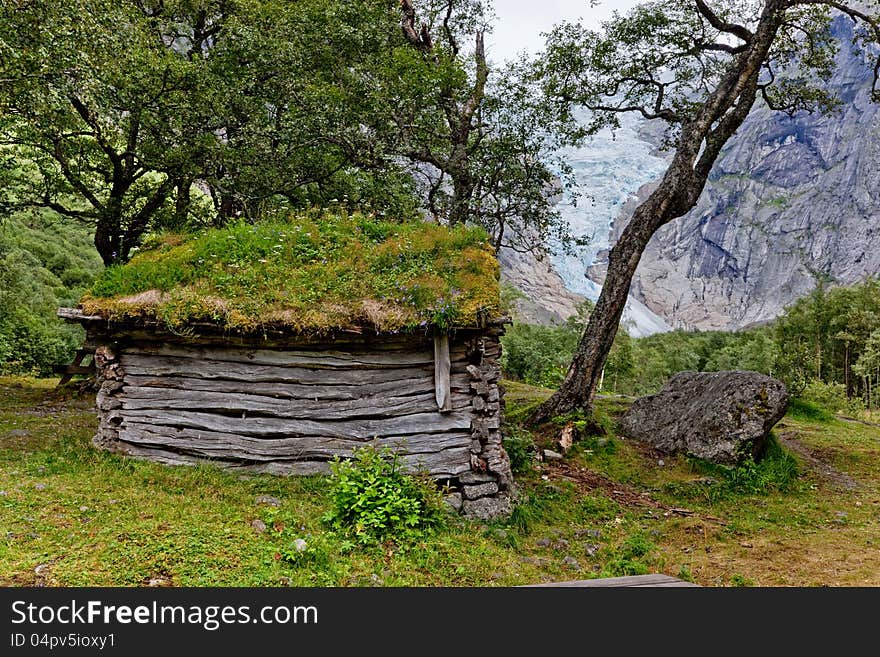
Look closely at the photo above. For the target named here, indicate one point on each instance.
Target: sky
(520, 22)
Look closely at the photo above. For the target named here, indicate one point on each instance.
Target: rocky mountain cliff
(544, 298)
(790, 201)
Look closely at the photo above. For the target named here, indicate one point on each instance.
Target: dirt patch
(587, 480)
(813, 459)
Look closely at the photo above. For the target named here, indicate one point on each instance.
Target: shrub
(538, 355)
(739, 580)
(375, 500)
(832, 397)
(802, 409)
(44, 262)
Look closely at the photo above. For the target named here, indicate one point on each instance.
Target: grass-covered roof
(315, 272)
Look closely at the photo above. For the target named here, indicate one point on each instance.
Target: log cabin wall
(289, 409)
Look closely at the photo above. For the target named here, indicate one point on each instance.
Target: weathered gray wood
(443, 392)
(263, 426)
(289, 404)
(76, 315)
(370, 406)
(226, 445)
(214, 369)
(447, 463)
(170, 457)
(331, 358)
(279, 390)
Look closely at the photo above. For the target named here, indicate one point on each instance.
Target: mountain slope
(789, 202)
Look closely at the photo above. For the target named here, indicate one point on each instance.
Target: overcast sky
(520, 22)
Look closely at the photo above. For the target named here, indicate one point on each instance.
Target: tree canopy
(149, 114)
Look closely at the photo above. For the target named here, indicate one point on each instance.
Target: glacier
(607, 170)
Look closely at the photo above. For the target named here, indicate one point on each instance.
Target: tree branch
(141, 220)
(479, 90)
(666, 114)
(61, 209)
(420, 39)
(453, 44)
(723, 26)
(720, 47)
(90, 120)
(66, 171)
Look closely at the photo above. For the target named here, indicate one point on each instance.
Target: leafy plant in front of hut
(375, 500)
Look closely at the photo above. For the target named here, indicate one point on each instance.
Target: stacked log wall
(290, 410)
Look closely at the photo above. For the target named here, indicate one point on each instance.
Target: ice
(608, 170)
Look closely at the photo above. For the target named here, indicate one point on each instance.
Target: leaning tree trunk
(581, 381)
(699, 145)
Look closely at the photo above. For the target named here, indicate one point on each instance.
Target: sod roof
(315, 272)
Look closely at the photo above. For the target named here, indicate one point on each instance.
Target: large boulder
(723, 417)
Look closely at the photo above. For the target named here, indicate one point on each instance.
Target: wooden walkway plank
(631, 581)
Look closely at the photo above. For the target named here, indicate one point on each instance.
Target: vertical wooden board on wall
(443, 392)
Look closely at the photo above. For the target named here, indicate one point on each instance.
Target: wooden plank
(76, 315)
(276, 427)
(265, 339)
(214, 369)
(76, 367)
(332, 358)
(313, 391)
(631, 581)
(170, 457)
(370, 406)
(447, 463)
(443, 392)
(225, 445)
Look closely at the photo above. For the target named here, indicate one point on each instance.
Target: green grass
(313, 272)
(809, 411)
(775, 472)
(74, 515)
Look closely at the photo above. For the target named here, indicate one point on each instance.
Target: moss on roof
(313, 273)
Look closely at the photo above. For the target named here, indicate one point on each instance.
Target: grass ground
(808, 515)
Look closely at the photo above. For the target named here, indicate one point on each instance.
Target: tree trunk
(461, 211)
(107, 234)
(583, 375)
(182, 203)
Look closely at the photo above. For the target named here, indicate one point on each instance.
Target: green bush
(775, 471)
(801, 409)
(374, 499)
(45, 263)
(740, 580)
(538, 355)
(832, 397)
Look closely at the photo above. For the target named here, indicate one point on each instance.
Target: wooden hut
(322, 334)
